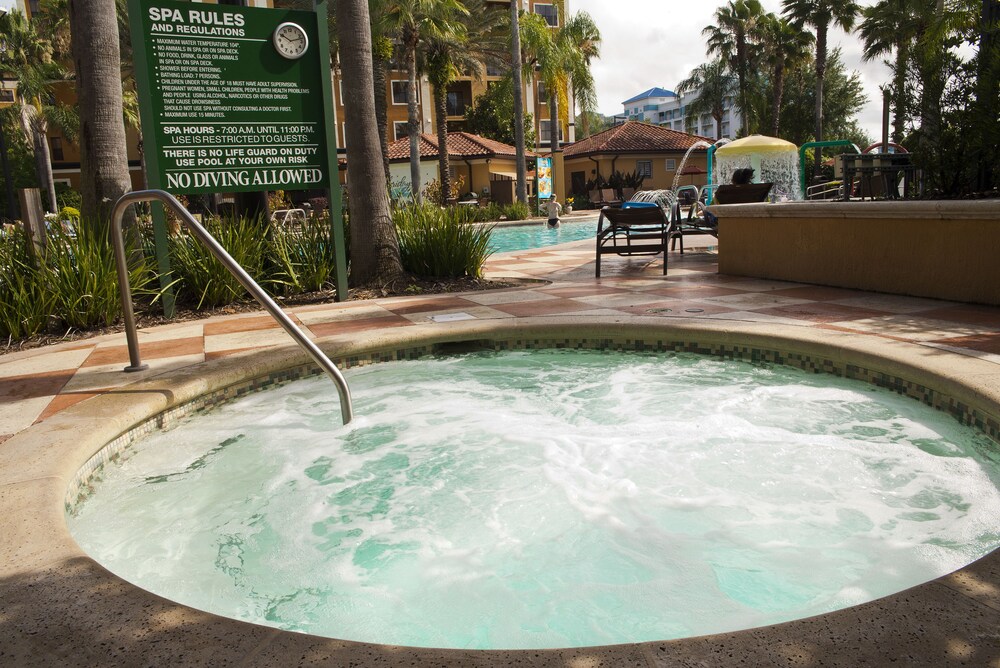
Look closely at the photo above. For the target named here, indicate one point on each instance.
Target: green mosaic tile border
(118, 449)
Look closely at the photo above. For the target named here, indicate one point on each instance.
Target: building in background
(665, 107)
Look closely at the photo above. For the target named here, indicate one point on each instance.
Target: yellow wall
(944, 250)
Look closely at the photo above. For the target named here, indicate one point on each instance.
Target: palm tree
(714, 84)
(785, 47)
(892, 26)
(820, 14)
(417, 20)
(28, 58)
(382, 50)
(104, 173)
(516, 65)
(734, 37)
(474, 40)
(585, 37)
(374, 246)
(561, 59)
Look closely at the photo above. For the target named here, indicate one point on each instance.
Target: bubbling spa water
(547, 499)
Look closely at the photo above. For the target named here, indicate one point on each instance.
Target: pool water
(547, 499)
(507, 238)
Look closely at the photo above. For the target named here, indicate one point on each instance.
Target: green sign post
(236, 99)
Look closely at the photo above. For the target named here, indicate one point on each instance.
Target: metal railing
(135, 361)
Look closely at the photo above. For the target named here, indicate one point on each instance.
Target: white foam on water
(548, 499)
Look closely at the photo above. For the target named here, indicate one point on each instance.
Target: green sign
(234, 98)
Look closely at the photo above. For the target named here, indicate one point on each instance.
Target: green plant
(203, 280)
(304, 256)
(81, 276)
(25, 304)
(441, 242)
(517, 211)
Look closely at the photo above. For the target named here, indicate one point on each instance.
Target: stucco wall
(945, 250)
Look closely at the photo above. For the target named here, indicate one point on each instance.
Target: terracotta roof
(460, 145)
(634, 137)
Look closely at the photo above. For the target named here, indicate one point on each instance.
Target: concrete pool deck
(61, 404)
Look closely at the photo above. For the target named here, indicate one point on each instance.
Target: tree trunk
(779, 92)
(741, 74)
(820, 76)
(43, 159)
(444, 165)
(899, 92)
(413, 115)
(374, 247)
(553, 121)
(987, 102)
(522, 163)
(379, 66)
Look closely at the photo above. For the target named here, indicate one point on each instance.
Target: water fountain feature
(773, 160)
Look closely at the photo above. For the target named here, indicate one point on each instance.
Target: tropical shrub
(304, 256)
(25, 304)
(441, 242)
(202, 280)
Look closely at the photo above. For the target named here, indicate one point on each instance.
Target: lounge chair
(604, 197)
(745, 193)
(638, 231)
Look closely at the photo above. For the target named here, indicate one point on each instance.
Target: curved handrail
(135, 362)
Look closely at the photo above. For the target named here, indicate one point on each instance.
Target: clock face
(291, 40)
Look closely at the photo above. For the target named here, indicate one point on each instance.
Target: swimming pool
(505, 239)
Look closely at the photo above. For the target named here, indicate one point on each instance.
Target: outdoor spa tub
(61, 606)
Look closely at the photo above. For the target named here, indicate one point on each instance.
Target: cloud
(650, 43)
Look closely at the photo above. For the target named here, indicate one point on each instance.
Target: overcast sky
(650, 43)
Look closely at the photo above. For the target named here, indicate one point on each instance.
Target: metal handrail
(135, 362)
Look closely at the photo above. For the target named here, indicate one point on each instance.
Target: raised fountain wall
(940, 249)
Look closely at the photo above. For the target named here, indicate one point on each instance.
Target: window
(670, 164)
(456, 104)
(545, 133)
(6, 95)
(644, 168)
(549, 12)
(400, 129)
(57, 148)
(33, 7)
(399, 90)
(543, 95)
(493, 70)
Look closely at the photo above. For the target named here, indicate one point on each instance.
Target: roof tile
(460, 145)
(634, 137)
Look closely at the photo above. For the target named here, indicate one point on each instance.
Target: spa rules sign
(232, 97)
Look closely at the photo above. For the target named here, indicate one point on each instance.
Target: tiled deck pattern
(36, 384)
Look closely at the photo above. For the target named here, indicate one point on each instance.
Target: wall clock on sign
(291, 40)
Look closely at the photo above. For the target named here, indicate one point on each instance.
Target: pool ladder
(135, 362)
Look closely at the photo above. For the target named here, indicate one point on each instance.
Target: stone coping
(986, 209)
(60, 607)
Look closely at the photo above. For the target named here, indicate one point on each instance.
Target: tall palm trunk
(374, 246)
(988, 81)
(899, 92)
(379, 67)
(444, 164)
(553, 121)
(522, 162)
(820, 76)
(104, 173)
(36, 128)
(413, 111)
(779, 92)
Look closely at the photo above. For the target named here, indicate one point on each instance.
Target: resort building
(483, 166)
(652, 151)
(665, 107)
